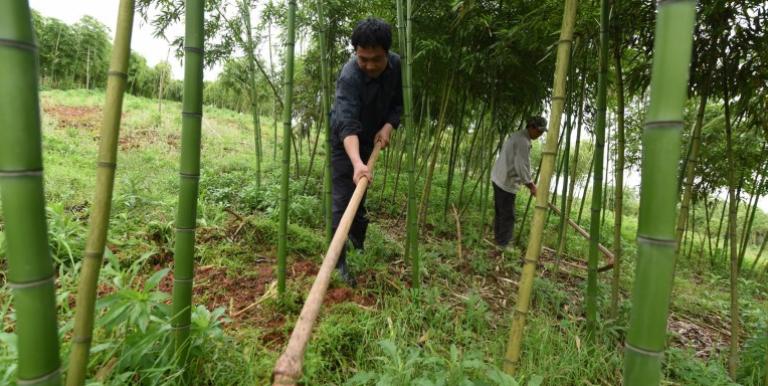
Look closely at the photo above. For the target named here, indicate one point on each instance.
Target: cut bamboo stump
(606, 252)
(288, 369)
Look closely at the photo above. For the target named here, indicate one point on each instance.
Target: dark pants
(342, 188)
(504, 219)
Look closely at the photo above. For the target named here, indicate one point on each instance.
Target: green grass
(452, 332)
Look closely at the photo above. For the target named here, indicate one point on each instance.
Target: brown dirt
(346, 294)
(78, 117)
(135, 139)
(217, 287)
(702, 338)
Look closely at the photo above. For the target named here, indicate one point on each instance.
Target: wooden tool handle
(288, 368)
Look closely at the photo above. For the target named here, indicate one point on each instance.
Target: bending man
(368, 104)
(512, 169)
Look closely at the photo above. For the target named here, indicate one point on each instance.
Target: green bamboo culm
(282, 235)
(549, 152)
(412, 238)
(597, 182)
(326, 103)
(30, 273)
(102, 202)
(654, 272)
(192, 116)
(251, 48)
(618, 207)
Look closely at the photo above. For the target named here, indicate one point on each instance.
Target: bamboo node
(81, 339)
(118, 74)
(561, 98)
(569, 41)
(542, 207)
(197, 50)
(185, 230)
(664, 124)
(45, 378)
(21, 173)
(651, 240)
(107, 165)
(512, 361)
(176, 328)
(18, 44)
(657, 354)
(189, 175)
(175, 280)
(548, 152)
(664, 2)
(93, 255)
(531, 261)
(520, 312)
(31, 284)
(191, 114)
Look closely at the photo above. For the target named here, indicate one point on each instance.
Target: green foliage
(681, 366)
(412, 366)
(752, 369)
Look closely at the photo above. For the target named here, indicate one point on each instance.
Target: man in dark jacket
(368, 104)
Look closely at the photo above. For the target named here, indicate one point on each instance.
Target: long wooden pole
(289, 366)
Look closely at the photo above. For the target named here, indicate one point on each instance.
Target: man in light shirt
(511, 170)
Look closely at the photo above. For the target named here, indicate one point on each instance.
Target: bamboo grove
(651, 176)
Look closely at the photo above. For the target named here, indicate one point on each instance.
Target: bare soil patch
(78, 117)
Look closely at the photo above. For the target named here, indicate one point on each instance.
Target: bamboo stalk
(618, 209)
(102, 202)
(654, 272)
(186, 217)
(325, 103)
(288, 369)
(412, 238)
(30, 274)
(759, 254)
(282, 233)
(423, 206)
(548, 156)
(750, 220)
(733, 352)
(597, 183)
(250, 47)
(602, 248)
(693, 160)
(562, 227)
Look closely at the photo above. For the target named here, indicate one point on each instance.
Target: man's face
(535, 132)
(372, 60)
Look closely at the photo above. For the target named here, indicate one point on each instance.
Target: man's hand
(532, 188)
(361, 170)
(383, 135)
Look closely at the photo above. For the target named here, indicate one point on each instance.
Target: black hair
(537, 122)
(372, 32)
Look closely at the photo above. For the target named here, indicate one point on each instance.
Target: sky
(153, 49)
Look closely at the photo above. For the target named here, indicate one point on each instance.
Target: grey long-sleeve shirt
(363, 105)
(513, 167)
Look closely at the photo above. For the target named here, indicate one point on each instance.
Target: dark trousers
(504, 218)
(342, 188)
